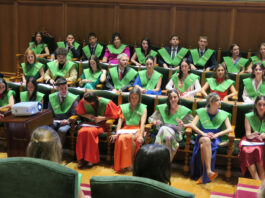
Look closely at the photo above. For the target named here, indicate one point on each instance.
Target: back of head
(60, 81)
(61, 51)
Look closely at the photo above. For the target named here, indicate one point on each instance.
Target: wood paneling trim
(232, 25)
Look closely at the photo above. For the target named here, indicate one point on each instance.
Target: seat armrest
(148, 129)
(164, 92)
(100, 86)
(73, 118)
(199, 95)
(234, 98)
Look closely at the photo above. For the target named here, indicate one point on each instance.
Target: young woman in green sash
(38, 46)
(93, 75)
(220, 83)
(32, 93)
(255, 85)
(252, 158)
(234, 63)
(141, 53)
(210, 124)
(171, 119)
(32, 68)
(113, 50)
(259, 58)
(6, 96)
(133, 115)
(149, 81)
(185, 82)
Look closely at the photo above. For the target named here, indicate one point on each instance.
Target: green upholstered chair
(241, 85)
(30, 178)
(166, 75)
(131, 187)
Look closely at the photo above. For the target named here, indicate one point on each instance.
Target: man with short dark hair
(93, 47)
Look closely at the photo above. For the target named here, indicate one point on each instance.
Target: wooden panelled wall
(223, 22)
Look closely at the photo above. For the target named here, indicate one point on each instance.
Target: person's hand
(112, 138)
(180, 123)
(1, 116)
(143, 91)
(210, 135)
(138, 64)
(193, 67)
(262, 136)
(52, 82)
(140, 140)
(225, 99)
(64, 122)
(70, 43)
(91, 117)
(99, 119)
(207, 69)
(165, 66)
(253, 135)
(157, 122)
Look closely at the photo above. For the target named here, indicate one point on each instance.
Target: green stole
(5, 100)
(132, 118)
(118, 84)
(255, 122)
(141, 57)
(70, 55)
(187, 82)
(56, 72)
(234, 68)
(256, 59)
(178, 58)
(65, 106)
(172, 118)
(98, 51)
(92, 76)
(219, 87)
(24, 96)
(149, 84)
(200, 62)
(37, 49)
(31, 70)
(103, 102)
(250, 89)
(113, 50)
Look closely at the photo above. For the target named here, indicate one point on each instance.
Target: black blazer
(212, 62)
(168, 48)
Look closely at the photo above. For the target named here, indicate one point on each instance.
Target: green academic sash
(234, 68)
(172, 118)
(113, 50)
(132, 118)
(98, 51)
(187, 82)
(178, 58)
(70, 55)
(141, 57)
(31, 70)
(255, 122)
(92, 76)
(250, 89)
(37, 49)
(5, 100)
(149, 84)
(200, 62)
(219, 87)
(256, 59)
(24, 96)
(65, 106)
(56, 72)
(103, 102)
(118, 84)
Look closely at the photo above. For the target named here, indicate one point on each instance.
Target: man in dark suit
(93, 47)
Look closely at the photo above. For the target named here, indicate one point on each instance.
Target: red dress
(87, 139)
(221, 94)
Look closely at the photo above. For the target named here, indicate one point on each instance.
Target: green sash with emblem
(65, 106)
(118, 84)
(132, 118)
(24, 96)
(31, 70)
(178, 58)
(187, 82)
(98, 51)
(5, 100)
(172, 118)
(113, 50)
(234, 68)
(149, 84)
(255, 122)
(103, 102)
(70, 55)
(250, 89)
(92, 76)
(200, 62)
(56, 72)
(37, 49)
(141, 57)
(222, 87)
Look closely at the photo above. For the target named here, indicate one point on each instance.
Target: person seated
(211, 121)
(171, 119)
(252, 157)
(6, 96)
(32, 68)
(202, 57)
(73, 48)
(133, 115)
(234, 63)
(149, 81)
(31, 93)
(153, 161)
(93, 47)
(38, 46)
(63, 105)
(172, 55)
(259, 58)
(93, 75)
(141, 53)
(220, 83)
(113, 50)
(60, 68)
(96, 110)
(255, 85)
(121, 77)
(185, 82)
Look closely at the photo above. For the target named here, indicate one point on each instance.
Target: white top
(247, 99)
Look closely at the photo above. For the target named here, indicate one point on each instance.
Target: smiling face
(220, 72)
(30, 87)
(184, 67)
(30, 58)
(173, 99)
(258, 72)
